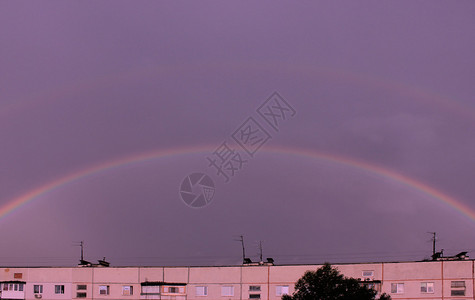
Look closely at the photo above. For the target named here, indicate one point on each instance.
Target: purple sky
(389, 84)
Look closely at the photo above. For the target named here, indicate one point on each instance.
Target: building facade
(444, 280)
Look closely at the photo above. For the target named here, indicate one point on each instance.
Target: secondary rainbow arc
(54, 94)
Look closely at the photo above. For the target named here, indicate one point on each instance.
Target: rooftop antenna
(243, 249)
(260, 251)
(80, 244)
(241, 239)
(433, 241)
(82, 261)
(82, 250)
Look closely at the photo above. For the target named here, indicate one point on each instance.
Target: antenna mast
(241, 239)
(260, 251)
(433, 242)
(82, 250)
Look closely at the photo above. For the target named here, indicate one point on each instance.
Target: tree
(326, 283)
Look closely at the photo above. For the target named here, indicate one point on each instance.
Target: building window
(201, 291)
(255, 296)
(457, 284)
(281, 290)
(457, 293)
(13, 287)
(458, 288)
(81, 295)
(59, 289)
(427, 287)
(368, 274)
(150, 289)
(397, 288)
(104, 290)
(81, 287)
(127, 290)
(227, 291)
(174, 289)
(18, 275)
(38, 288)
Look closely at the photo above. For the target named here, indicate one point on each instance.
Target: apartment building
(448, 280)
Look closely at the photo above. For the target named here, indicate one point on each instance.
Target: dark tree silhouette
(326, 283)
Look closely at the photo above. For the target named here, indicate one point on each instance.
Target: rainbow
(16, 203)
(135, 74)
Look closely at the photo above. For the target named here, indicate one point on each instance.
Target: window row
(457, 288)
(58, 289)
(37, 288)
(253, 291)
(163, 289)
(127, 290)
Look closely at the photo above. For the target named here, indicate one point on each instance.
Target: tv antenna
(82, 250)
(433, 239)
(82, 261)
(260, 251)
(241, 239)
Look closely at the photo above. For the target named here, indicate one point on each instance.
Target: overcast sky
(380, 89)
